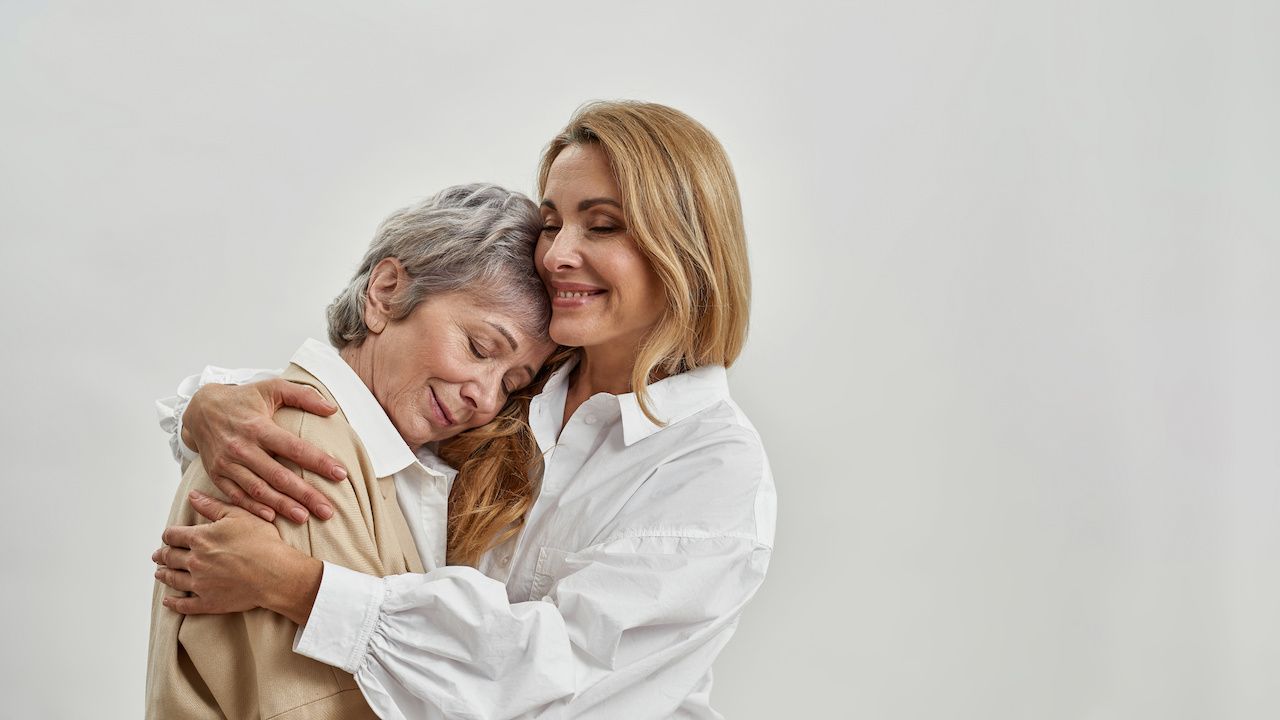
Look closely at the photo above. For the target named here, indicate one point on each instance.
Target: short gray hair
(476, 238)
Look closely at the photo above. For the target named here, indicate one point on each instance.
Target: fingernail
(339, 473)
(155, 556)
(267, 515)
(298, 514)
(158, 573)
(196, 495)
(325, 512)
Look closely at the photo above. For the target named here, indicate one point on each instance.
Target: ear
(386, 281)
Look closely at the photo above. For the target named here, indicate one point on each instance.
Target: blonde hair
(682, 209)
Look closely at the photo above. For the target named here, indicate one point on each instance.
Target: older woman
(652, 524)
(443, 321)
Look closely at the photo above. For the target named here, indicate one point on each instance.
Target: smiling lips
(570, 295)
(442, 414)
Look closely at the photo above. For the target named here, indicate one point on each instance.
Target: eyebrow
(505, 333)
(587, 204)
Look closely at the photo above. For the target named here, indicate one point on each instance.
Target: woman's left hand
(228, 565)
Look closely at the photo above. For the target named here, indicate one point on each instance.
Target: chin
(571, 334)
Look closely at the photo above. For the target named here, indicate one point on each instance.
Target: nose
(483, 394)
(563, 252)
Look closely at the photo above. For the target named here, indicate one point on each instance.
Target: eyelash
(476, 351)
(599, 229)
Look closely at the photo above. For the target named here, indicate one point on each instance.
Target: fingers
(177, 579)
(177, 558)
(301, 397)
(193, 605)
(178, 536)
(212, 507)
(307, 456)
(239, 497)
(256, 489)
(273, 479)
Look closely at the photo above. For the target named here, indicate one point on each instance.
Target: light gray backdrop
(1014, 345)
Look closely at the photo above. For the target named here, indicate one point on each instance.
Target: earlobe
(385, 281)
(374, 320)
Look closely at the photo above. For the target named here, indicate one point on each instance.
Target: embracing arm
(226, 416)
(627, 626)
(635, 622)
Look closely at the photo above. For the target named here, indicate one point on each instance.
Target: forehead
(477, 308)
(581, 170)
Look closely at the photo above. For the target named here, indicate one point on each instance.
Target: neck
(603, 370)
(600, 369)
(360, 358)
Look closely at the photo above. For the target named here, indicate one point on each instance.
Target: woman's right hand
(232, 428)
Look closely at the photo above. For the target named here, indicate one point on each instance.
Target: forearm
(292, 593)
(615, 620)
(434, 644)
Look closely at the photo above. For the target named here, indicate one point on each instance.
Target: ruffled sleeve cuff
(169, 410)
(343, 619)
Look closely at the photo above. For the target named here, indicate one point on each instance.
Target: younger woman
(652, 522)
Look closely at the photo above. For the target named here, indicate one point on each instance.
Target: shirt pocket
(549, 569)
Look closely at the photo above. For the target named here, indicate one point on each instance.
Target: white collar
(387, 450)
(671, 399)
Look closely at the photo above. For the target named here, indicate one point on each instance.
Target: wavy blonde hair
(681, 205)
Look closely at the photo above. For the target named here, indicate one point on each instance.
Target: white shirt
(634, 565)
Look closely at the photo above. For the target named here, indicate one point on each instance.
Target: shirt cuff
(180, 450)
(343, 619)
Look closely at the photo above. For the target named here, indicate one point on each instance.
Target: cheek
(539, 260)
(643, 288)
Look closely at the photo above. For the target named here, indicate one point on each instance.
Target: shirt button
(505, 561)
(591, 420)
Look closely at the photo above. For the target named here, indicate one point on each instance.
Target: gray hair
(476, 238)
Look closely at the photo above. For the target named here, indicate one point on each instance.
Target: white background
(1014, 345)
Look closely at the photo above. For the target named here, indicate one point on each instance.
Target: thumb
(302, 397)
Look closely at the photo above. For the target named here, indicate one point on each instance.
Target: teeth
(563, 294)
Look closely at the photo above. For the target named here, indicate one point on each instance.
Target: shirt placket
(562, 463)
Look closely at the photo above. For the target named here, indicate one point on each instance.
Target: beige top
(242, 665)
